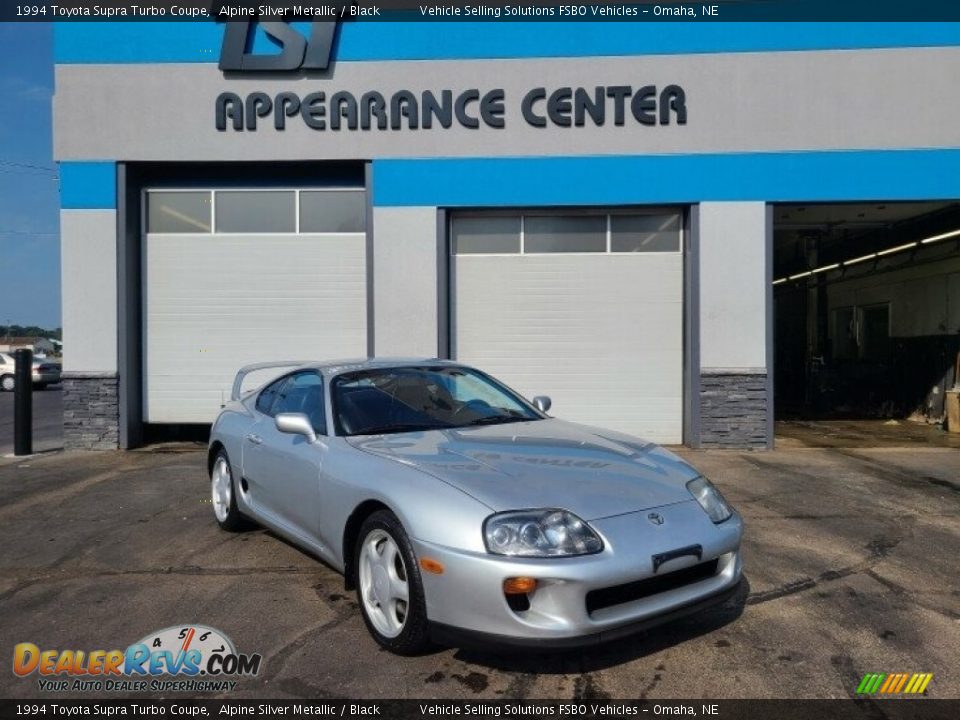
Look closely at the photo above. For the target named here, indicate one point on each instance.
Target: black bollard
(23, 403)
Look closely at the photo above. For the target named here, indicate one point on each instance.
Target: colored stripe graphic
(894, 683)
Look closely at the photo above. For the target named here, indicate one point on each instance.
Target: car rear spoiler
(247, 369)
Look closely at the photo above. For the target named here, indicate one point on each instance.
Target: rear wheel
(389, 587)
(223, 495)
(7, 383)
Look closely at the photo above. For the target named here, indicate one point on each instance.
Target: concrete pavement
(850, 555)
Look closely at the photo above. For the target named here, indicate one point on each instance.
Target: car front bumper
(45, 378)
(468, 599)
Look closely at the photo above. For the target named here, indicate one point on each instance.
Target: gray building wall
(405, 272)
(737, 102)
(88, 257)
(758, 101)
(734, 307)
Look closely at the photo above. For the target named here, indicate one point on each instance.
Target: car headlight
(539, 533)
(710, 499)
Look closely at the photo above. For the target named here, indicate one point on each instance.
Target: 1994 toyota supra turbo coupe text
(458, 508)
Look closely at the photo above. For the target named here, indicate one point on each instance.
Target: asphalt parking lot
(47, 420)
(851, 560)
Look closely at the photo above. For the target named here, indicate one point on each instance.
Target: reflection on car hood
(547, 463)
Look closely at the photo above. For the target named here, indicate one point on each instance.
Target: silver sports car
(459, 510)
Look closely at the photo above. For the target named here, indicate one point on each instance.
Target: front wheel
(7, 383)
(389, 587)
(223, 495)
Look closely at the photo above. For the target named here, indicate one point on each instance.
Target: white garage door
(585, 308)
(239, 276)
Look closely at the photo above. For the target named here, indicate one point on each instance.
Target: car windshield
(407, 399)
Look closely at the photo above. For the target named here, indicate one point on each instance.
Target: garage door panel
(602, 334)
(213, 303)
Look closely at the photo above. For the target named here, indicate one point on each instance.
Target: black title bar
(493, 10)
(920, 708)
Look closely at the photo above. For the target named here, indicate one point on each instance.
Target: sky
(29, 197)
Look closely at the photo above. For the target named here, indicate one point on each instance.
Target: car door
(261, 490)
(289, 466)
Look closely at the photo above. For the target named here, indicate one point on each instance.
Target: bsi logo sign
(297, 52)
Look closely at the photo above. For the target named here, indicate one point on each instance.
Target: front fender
(430, 510)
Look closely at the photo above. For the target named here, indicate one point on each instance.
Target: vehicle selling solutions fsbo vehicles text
(497, 11)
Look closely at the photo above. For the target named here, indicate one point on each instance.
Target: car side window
(268, 395)
(303, 393)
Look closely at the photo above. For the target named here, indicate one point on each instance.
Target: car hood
(547, 463)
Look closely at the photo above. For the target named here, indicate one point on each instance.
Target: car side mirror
(542, 403)
(296, 424)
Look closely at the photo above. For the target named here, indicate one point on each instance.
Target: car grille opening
(518, 603)
(620, 594)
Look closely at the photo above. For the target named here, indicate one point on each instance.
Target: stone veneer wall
(733, 410)
(91, 411)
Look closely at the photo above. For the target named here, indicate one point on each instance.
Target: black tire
(414, 638)
(234, 520)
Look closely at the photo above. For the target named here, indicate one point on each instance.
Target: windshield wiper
(395, 428)
(496, 420)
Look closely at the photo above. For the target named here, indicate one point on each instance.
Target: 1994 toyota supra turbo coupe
(459, 510)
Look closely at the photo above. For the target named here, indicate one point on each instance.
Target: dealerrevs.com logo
(184, 658)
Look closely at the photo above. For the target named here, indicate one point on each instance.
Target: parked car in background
(44, 372)
(459, 509)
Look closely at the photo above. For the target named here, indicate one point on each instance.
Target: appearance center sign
(405, 109)
(540, 107)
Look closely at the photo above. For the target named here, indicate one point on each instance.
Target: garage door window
(178, 212)
(267, 211)
(249, 211)
(491, 235)
(656, 231)
(645, 233)
(333, 211)
(565, 234)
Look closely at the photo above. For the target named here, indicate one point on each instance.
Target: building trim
(768, 280)
(443, 285)
(691, 329)
(371, 318)
(199, 42)
(129, 316)
(733, 371)
(88, 185)
(829, 176)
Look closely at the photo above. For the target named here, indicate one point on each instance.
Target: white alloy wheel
(7, 383)
(221, 488)
(383, 583)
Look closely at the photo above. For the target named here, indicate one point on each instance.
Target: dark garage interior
(867, 311)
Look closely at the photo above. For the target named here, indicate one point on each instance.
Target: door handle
(255, 439)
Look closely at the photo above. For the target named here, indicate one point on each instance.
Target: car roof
(330, 368)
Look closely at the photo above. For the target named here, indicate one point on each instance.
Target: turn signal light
(519, 585)
(431, 566)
